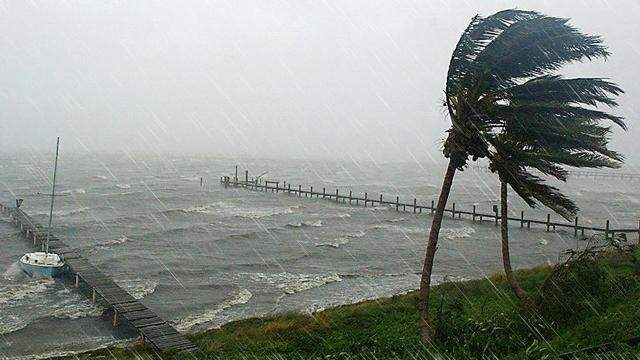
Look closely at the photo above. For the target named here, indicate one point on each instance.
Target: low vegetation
(591, 300)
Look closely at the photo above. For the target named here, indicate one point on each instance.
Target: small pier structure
(366, 199)
(155, 332)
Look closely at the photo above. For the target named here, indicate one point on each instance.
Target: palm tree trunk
(425, 280)
(506, 258)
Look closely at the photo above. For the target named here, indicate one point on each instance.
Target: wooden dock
(101, 288)
(415, 207)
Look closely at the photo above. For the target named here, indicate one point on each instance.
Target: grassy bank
(593, 302)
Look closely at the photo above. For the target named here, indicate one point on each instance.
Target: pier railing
(455, 212)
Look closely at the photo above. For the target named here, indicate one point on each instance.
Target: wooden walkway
(366, 200)
(154, 331)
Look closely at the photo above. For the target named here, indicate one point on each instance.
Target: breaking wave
(185, 324)
(317, 223)
(222, 208)
(342, 240)
(293, 283)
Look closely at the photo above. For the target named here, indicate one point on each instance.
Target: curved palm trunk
(425, 280)
(506, 258)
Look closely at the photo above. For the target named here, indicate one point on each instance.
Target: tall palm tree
(498, 63)
(511, 159)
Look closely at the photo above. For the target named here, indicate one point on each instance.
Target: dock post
(548, 222)
(473, 213)
(337, 196)
(289, 188)
(521, 219)
(350, 196)
(277, 186)
(453, 210)
(310, 192)
(432, 208)
(77, 280)
(323, 192)
(414, 204)
(246, 177)
(606, 230)
(495, 210)
(380, 199)
(575, 227)
(365, 201)
(299, 190)
(236, 178)
(397, 202)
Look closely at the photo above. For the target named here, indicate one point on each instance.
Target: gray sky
(296, 78)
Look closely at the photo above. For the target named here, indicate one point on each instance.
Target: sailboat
(44, 263)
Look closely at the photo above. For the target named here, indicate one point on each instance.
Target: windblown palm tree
(506, 105)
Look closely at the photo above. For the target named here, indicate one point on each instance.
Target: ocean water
(204, 256)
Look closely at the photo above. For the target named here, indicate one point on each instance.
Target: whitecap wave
(121, 240)
(138, 288)
(185, 324)
(344, 240)
(293, 283)
(457, 233)
(222, 208)
(123, 186)
(317, 223)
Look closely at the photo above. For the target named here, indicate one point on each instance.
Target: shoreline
(386, 327)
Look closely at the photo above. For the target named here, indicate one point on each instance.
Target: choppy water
(203, 257)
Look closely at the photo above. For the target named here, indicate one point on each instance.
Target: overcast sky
(261, 78)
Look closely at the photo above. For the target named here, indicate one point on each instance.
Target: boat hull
(42, 271)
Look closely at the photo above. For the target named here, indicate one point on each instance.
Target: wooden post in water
(350, 196)
(414, 205)
(289, 188)
(324, 192)
(639, 230)
(453, 210)
(299, 190)
(521, 219)
(473, 213)
(432, 208)
(246, 177)
(365, 199)
(575, 227)
(337, 197)
(606, 230)
(548, 222)
(236, 178)
(311, 192)
(397, 202)
(380, 199)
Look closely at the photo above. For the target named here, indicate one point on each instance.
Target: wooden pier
(100, 288)
(416, 208)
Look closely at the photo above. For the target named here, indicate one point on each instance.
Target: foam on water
(344, 240)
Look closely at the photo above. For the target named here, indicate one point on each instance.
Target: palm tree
(499, 74)
(512, 158)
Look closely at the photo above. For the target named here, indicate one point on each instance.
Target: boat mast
(45, 246)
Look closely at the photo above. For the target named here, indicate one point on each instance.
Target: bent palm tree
(498, 80)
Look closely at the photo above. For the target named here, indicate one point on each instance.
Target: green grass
(599, 302)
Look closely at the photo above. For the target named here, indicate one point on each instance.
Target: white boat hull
(42, 265)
